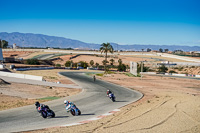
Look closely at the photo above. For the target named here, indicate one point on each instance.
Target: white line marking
(72, 124)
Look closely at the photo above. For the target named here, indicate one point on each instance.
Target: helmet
(66, 102)
(37, 103)
(108, 90)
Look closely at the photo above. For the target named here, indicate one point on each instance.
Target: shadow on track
(121, 101)
(88, 114)
(60, 117)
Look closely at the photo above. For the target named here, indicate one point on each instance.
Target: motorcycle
(112, 97)
(46, 112)
(73, 110)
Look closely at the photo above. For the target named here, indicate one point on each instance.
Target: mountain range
(43, 41)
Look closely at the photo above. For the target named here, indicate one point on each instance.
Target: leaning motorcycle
(45, 112)
(112, 97)
(73, 110)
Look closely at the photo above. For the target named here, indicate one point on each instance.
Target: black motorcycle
(46, 112)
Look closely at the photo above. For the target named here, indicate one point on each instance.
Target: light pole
(142, 64)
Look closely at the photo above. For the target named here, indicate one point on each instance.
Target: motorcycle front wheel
(113, 99)
(79, 112)
(52, 114)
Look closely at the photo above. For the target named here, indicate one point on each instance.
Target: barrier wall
(187, 64)
(33, 68)
(147, 72)
(178, 57)
(174, 74)
(178, 74)
(198, 76)
(22, 76)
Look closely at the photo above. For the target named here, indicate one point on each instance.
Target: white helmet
(66, 102)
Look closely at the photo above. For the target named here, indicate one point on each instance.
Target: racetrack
(92, 102)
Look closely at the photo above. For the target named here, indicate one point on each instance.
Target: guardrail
(173, 74)
(33, 68)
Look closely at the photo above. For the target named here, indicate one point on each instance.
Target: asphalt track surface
(92, 102)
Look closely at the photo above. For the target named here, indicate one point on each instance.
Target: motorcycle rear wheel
(44, 114)
(72, 112)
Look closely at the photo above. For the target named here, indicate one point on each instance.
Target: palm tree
(91, 62)
(97, 65)
(120, 61)
(112, 61)
(104, 62)
(105, 48)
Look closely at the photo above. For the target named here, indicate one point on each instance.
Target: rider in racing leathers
(109, 92)
(37, 104)
(68, 105)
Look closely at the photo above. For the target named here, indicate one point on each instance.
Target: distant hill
(42, 41)
(39, 40)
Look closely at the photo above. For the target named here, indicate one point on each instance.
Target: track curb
(92, 119)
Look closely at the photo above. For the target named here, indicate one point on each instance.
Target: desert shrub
(121, 67)
(33, 62)
(184, 73)
(91, 62)
(172, 71)
(58, 65)
(151, 70)
(145, 69)
(83, 64)
(68, 63)
(175, 67)
(162, 69)
(74, 65)
(101, 67)
(113, 66)
(180, 68)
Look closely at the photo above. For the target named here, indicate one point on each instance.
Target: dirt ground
(17, 94)
(169, 105)
(17, 54)
(151, 60)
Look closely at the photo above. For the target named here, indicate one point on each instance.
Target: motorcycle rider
(68, 105)
(37, 104)
(94, 78)
(109, 92)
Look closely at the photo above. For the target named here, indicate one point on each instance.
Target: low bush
(172, 71)
(32, 62)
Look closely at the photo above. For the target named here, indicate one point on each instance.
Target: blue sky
(159, 22)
